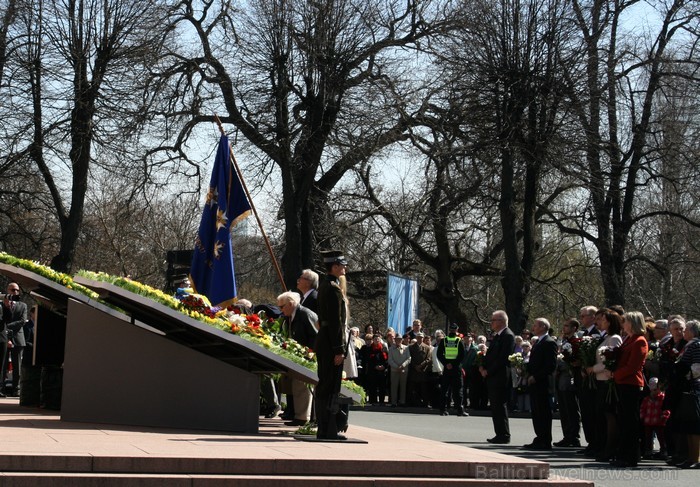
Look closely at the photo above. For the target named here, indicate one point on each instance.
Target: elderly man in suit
(14, 316)
(586, 395)
(496, 372)
(307, 284)
(540, 369)
(300, 324)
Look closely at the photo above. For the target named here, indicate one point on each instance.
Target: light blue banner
(401, 302)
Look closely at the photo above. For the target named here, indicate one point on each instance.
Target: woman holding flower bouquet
(606, 430)
(629, 381)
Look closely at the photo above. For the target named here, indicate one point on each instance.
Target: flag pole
(252, 206)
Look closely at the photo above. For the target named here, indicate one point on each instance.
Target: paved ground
(472, 432)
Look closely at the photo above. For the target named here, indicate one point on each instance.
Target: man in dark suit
(586, 395)
(14, 315)
(567, 398)
(496, 371)
(300, 324)
(331, 345)
(307, 283)
(540, 370)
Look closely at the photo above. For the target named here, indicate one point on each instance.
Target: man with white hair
(587, 320)
(496, 372)
(307, 284)
(586, 394)
(543, 363)
(300, 324)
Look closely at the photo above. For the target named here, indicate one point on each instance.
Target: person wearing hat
(450, 353)
(331, 345)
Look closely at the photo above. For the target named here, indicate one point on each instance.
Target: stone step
(501, 467)
(56, 479)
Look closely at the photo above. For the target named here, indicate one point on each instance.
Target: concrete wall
(117, 372)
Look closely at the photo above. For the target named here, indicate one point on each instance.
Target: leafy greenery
(48, 273)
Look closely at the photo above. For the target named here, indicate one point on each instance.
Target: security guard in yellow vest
(450, 354)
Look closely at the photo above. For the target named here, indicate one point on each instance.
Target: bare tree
(75, 78)
(613, 101)
(304, 83)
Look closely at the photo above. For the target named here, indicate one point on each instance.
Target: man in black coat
(540, 370)
(567, 398)
(586, 395)
(496, 372)
(300, 324)
(14, 316)
(331, 345)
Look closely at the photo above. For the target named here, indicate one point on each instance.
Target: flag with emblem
(212, 271)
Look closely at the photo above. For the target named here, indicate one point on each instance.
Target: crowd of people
(621, 381)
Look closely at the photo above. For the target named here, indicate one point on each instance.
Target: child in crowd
(654, 418)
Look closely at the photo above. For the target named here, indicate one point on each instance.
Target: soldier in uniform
(331, 345)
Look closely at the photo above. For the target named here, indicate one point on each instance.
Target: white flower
(601, 352)
(695, 371)
(567, 347)
(236, 319)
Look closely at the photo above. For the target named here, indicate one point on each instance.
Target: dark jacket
(543, 360)
(13, 323)
(332, 317)
(311, 301)
(303, 328)
(496, 359)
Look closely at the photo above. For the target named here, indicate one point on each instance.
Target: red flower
(253, 320)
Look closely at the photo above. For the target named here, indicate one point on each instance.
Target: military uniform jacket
(332, 317)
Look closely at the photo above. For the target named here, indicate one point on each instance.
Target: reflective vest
(451, 347)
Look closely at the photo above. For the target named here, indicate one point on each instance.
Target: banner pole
(252, 206)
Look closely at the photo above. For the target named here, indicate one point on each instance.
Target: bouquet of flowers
(667, 353)
(479, 360)
(587, 353)
(570, 351)
(517, 362)
(609, 357)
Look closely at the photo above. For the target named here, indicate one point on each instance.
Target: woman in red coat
(629, 381)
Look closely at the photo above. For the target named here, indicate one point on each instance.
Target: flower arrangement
(667, 353)
(249, 327)
(609, 357)
(479, 360)
(516, 360)
(569, 353)
(587, 353)
(48, 273)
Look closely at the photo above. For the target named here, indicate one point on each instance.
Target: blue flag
(401, 302)
(212, 271)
